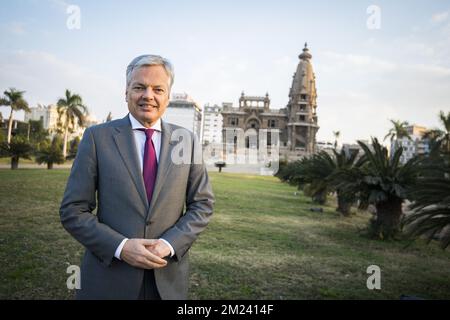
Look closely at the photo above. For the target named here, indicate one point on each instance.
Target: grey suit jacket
(106, 173)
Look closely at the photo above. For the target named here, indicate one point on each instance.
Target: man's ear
(126, 95)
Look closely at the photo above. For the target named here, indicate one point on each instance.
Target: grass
(262, 243)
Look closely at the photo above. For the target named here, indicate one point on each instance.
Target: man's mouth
(147, 107)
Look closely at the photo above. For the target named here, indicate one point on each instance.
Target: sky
(373, 60)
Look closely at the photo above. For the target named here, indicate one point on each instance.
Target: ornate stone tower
(301, 109)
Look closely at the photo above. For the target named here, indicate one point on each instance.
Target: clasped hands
(145, 253)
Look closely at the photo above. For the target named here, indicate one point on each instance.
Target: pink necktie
(150, 165)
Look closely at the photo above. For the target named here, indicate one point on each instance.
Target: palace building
(297, 124)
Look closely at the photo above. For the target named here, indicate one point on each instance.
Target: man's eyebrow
(141, 84)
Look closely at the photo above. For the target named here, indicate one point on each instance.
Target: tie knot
(148, 132)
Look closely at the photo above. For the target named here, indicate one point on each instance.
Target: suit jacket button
(148, 223)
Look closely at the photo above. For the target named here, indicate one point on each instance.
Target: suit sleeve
(79, 202)
(199, 206)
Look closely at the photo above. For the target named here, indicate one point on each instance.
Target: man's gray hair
(150, 60)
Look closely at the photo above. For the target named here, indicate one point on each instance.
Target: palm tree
(50, 152)
(445, 119)
(18, 148)
(70, 109)
(73, 148)
(382, 181)
(336, 134)
(433, 138)
(398, 131)
(316, 175)
(286, 171)
(308, 175)
(294, 173)
(13, 99)
(431, 201)
(440, 139)
(344, 161)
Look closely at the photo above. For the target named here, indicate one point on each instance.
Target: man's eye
(159, 90)
(138, 88)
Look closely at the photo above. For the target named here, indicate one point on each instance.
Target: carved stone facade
(297, 124)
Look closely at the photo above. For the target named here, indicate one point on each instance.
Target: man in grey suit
(151, 204)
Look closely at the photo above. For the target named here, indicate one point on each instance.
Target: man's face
(148, 94)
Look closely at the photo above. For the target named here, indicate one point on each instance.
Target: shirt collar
(135, 124)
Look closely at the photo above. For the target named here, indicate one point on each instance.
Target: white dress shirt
(139, 139)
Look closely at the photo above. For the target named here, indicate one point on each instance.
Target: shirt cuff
(119, 249)
(172, 252)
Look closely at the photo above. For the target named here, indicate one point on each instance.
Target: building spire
(305, 55)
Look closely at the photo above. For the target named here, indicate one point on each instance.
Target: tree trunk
(220, 169)
(14, 162)
(65, 142)
(49, 165)
(344, 205)
(388, 217)
(10, 121)
(320, 197)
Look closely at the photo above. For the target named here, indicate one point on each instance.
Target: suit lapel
(123, 136)
(164, 164)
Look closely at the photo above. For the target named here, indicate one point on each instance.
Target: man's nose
(148, 94)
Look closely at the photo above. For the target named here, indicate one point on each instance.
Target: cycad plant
(50, 152)
(430, 197)
(305, 175)
(316, 176)
(315, 172)
(344, 160)
(382, 181)
(18, 148)
(309, 174)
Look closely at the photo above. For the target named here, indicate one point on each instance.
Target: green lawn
(262, 243)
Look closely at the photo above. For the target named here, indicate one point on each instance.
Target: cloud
(60, 4)
(417, 48)
(364, 63)
(220, 77)
(45, 77)
(14, 28)
(432, 71)
(439, 17)
(17, 28)
(359, 93)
